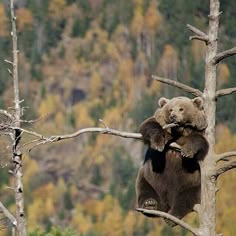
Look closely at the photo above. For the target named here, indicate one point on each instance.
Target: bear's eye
(171, 110)
(181, 109)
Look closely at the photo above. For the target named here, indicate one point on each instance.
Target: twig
(8, 214)
(224, 168)
(179, 85)
(222, 55)
(198, 38)
(224, 156)
(224, 92)
(167, 216)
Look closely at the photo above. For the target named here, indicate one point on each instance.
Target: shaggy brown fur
(169, 180)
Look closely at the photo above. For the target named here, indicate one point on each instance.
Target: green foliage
(123, 178)
(54, 232)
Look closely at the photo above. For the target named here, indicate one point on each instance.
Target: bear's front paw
(187, 151)
(150, 204)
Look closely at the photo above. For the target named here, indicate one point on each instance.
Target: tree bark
(207, 212)
(17, 155)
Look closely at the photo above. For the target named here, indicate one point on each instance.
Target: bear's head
(181, 111)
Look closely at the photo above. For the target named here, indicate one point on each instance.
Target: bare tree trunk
(17, 155)
(208, 183)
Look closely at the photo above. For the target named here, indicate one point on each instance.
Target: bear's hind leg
(147, 198)
(184, 203)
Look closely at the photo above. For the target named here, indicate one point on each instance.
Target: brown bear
(169, 180)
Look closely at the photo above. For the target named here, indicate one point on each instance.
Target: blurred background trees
(85, 60)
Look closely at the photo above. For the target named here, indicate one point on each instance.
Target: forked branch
(179, 85)
(199, 34)
(174, 219)
(222, 55)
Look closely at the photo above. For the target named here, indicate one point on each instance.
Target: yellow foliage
(113, 223)
(35, 213)
(229, 143)
(59, 191)
(80, 222)
(224, 74)
(130, 223)
(82, 117)
(169, 62)
(59, 119)
(152, 18)
(95, 85)
(137, 22)
(49, 105)
(24, 19)
(56, 9)
(112, 117)
(45, 191)
(31, 168)
(3, 22)
(198, 49)
(112, 51)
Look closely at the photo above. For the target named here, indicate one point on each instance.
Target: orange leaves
(3, 22)
(153, 18)
(24, 19)
(56, 9)
(168, 63)
(224, 74)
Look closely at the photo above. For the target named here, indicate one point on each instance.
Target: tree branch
(199, 34)
(179, 85)
(224, 156)
(198, 38)
(224, 168)
(222, 55)
(224, 92)
(8, 214)
(174, 219)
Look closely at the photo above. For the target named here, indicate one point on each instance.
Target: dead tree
(210, 171)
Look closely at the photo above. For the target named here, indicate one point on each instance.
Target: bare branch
(199, 34)
(179, 85)
(224, 156)
(8, 214)
(224, 168)
(196, 30)
(7, 114)
(198, 38)
(222, 55)
(224, 92)
(167, 216)
(9, 62)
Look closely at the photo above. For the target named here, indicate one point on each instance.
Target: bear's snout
(173, 117)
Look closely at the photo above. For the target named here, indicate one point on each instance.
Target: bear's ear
(198, 102)
(163, 101)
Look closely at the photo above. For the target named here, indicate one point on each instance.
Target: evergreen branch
(179, 85)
